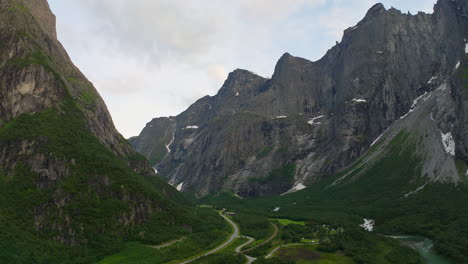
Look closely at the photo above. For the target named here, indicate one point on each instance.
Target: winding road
(250, 240)
(233, 236)
(250, 259)
(266, 241)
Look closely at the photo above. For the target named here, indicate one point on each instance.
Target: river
(424, 247)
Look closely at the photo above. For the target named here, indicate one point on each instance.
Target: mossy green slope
(72, 190)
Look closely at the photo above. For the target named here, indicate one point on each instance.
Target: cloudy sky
(151, 58)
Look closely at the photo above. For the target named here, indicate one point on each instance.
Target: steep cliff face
(152, 143)
(67, 177)
(261, 136)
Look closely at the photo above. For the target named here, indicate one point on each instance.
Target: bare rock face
(160, 132)
(41, 11)
(57, 135)
(318, 116)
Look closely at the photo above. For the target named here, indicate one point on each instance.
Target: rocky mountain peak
(241, 74)
(375, 10)
(41, 11)
(239, 79)
(288, 63)
(318, 115)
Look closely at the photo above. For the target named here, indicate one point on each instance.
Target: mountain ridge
(320, 115)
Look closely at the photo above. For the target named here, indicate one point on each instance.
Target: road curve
(266, 241)
(234, 235)
(249, 241)
(250, 259)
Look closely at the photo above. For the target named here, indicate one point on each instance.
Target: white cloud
(152, 58)
(273, 10)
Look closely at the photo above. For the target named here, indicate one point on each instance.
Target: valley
(360, 157)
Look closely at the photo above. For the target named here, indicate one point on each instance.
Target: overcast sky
(151, 58)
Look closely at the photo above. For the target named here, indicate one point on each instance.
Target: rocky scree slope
(259, 136)
(72, 189)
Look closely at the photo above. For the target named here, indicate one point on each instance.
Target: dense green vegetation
(97, 204)
(92, 192)
(66, 137)
(376, 192)
(287, 221)
(311, 255)
(273, 261)
(292, 233)
(256, 226)
(221, 258)
(279, 179)
(210, 231)
(232, 247)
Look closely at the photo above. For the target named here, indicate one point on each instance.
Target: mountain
(72, 189)
(310, 120)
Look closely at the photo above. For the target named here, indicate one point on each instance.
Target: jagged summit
(376, 9)
(318, 116)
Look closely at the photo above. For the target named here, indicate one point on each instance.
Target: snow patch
(457, 66)
(466, 48)
(449, 144)
(354, 28)
(281, 117)
(237, 94)
(155, 170)
(170, 143)
(300, 186)
(151, 125)
(379, 52)
(355, 100)
(296, 188)
(238, 196)
(407, 114)
(276, 209)
(312, 121)
(368, 224)
(191, 127)
(433, 78)
(378, 138)
(416, 101)
(421, 97)
(179, 187)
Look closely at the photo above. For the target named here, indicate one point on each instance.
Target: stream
(424, 247)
